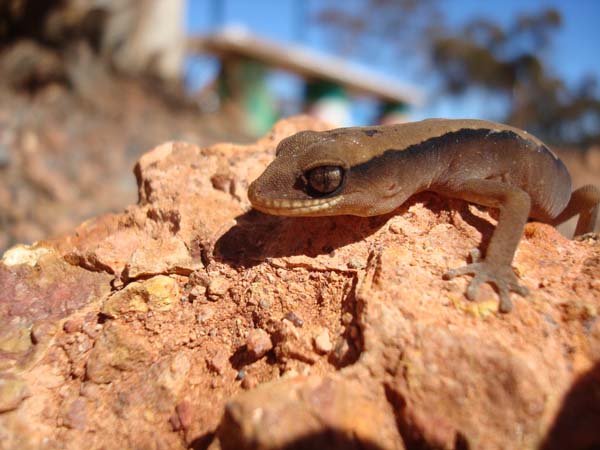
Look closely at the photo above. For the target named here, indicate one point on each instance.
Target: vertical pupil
(325, 179)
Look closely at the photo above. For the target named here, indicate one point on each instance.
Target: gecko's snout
(253, 192)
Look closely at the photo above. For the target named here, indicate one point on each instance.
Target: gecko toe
(505, 305)
(452, 273)
(474, 287)
(519, 289)
(469, 269)
(501, 277)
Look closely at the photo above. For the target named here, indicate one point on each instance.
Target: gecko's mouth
(286, 207)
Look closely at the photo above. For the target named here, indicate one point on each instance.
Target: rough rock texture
(190, 321)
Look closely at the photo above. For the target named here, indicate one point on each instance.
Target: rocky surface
(191, 321)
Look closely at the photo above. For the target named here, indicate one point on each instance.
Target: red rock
(185, 412)
(38, 284)
(76, 416)
(219, 361)
(309, 413)
(323, 342)
(12, 392)
(159, 293)
(218, 287)
(258, 343)
(249, 382)
(181, 419)
(205, 313)
(413, 365)
(72, 326)
(175, 422)
(117, 350)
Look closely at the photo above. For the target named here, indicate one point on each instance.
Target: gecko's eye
(325, 179)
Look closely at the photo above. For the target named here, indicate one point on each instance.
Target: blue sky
(574, 53)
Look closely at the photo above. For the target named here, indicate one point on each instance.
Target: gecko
(368, 171)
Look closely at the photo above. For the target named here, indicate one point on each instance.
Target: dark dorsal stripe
(371, 132)
(452, 139)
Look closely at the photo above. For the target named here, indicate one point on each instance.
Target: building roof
(307, 63)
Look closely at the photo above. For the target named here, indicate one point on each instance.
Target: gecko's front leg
(495, 267)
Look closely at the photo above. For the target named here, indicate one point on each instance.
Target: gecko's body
(366, 171)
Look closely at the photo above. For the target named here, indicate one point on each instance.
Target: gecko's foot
(502, 277)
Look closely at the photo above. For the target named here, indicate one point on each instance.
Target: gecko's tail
(584, 201)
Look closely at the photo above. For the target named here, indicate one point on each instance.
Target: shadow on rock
(577, 426)
(202, 442)
(331, 439)
(482, 225)
(257, 236)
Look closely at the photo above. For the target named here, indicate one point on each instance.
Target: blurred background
(87, 86)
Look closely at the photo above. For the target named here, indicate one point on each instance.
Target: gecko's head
(317, 174)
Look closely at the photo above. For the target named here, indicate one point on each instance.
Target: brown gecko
(366, 171)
